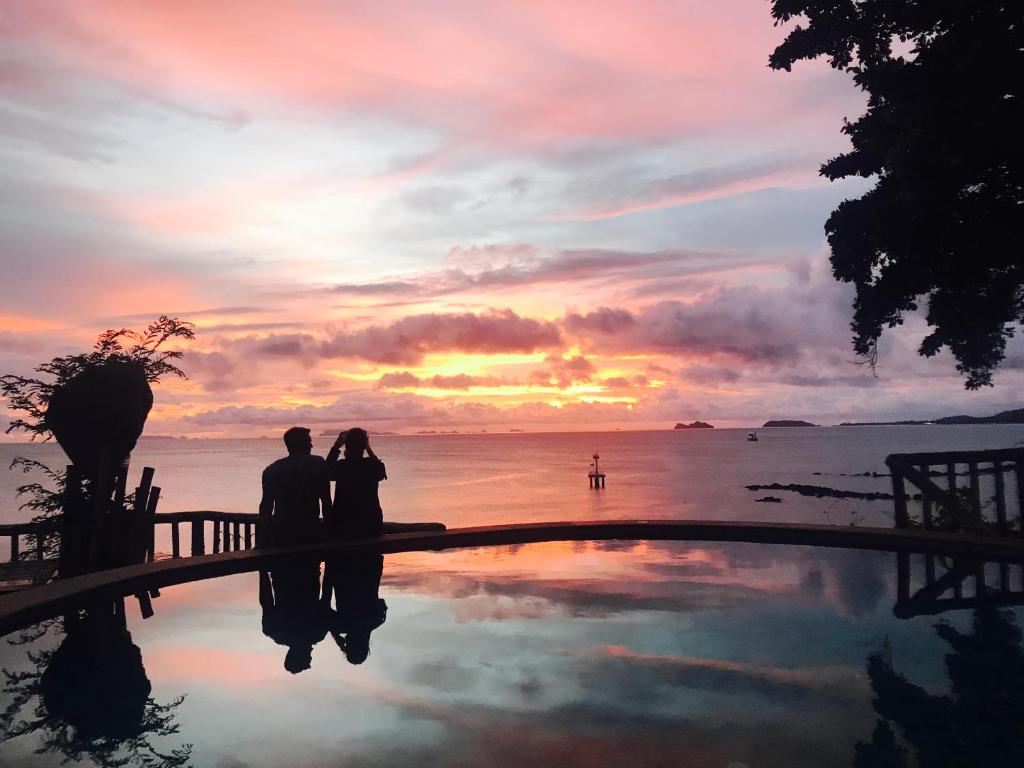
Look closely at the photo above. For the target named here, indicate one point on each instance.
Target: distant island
(694, 425)
(788, 423)
(334, 433)
(1004, 417)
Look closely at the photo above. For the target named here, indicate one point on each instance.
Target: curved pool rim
(35, 604)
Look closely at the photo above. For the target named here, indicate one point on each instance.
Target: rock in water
(105, 406)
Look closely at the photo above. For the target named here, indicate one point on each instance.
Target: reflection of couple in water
(298, 614)
(296, 490)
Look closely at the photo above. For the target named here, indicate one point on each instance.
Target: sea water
(490, 479)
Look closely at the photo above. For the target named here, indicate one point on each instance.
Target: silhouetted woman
(354, 581)
(356, 512)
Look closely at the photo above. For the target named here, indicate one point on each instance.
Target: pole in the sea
(596, 478)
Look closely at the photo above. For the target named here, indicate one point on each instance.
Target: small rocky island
(788, 423)
(694, 425)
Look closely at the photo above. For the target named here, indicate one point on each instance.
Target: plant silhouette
(125, 359)
(941, 138)
(88, 697)
(978, 722)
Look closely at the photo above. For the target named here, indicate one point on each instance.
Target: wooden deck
(28, 606)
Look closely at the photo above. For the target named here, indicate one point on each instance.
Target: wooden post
(142, 492)
(101, 491)
(39, 546)
(175, 540)
(248, 535)
(997, 468)
(70, 523)
(926, 504)
(216, 536)
(198, 537)
(227, 535)
(150, 522)
(900, 498)
(929, 569)
(1020, 493)
(121, 483)
(975, 487)
(145, 604)
(902, 576)
(951, 478)
(979, 579)
(14, 547)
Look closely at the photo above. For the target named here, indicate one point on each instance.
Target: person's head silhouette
(298, 658)
(298, 441)
(357, 647)
(356, 441)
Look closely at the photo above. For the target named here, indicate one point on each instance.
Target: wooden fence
(971, 492)
(229, 531)
(207, 530)
(961, 505)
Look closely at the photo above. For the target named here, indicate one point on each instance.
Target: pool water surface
(584, 653)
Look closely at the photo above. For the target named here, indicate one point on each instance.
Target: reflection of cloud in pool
(636, 675)
(579, 597)
(615, 728)
(812, 583)
(443, 675)
(861, 578)
(693, 569)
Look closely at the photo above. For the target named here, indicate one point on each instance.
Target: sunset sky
(443, 215)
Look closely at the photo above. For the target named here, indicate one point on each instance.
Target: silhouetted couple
(297, 490)
(296, 613)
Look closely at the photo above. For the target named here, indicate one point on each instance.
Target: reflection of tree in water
(88, 698)
(977, 723)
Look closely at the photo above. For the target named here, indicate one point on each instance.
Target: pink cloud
(406, 380)
(407, 341)
(521, 267)
(517, 73)
(564, 371)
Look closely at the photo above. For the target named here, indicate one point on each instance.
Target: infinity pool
(582, 654)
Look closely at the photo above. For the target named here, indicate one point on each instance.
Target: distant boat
(752, 437)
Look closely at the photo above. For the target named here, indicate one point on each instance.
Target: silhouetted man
(295, 491)
(293, 614)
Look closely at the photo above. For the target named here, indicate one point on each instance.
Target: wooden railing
(36, 532)
(229, 531)
(959, 491)
(964, 583)
(958, 505)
